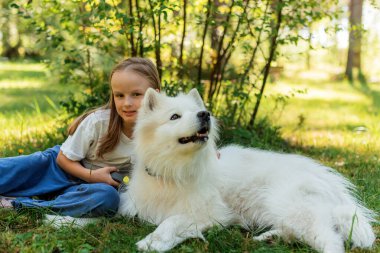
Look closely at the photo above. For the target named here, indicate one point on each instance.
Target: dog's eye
(175, 116)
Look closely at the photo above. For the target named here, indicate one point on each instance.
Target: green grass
(323, 124)
(29, 113)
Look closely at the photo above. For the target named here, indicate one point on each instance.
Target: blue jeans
(39, 175)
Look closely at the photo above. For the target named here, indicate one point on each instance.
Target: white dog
(180, 184)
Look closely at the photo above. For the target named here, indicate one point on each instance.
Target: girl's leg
(84, 200)
(32, 175)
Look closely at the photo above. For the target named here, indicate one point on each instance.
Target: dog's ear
(150, 99)
(197, 97)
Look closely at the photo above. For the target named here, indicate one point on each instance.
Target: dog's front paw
(268, 235)
(154, 242)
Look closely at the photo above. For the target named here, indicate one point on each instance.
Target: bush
(263, 135)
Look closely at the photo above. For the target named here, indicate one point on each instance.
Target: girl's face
(128, 90)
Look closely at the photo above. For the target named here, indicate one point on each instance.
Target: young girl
(78, 173)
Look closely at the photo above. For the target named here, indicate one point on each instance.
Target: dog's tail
(353, 222)
(58, 221)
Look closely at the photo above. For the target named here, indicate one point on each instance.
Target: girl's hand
(103, 175)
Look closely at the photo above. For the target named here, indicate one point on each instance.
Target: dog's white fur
(185, 189)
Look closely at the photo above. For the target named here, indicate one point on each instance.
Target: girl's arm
(76, 169)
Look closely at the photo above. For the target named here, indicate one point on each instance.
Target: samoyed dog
(181, 185)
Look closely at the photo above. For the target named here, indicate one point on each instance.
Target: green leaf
(14, 5)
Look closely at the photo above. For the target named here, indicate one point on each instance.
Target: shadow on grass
(23, 99)
(372, 94)
(16, 99)
(22, 74)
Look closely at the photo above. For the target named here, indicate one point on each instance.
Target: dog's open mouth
(200, 136)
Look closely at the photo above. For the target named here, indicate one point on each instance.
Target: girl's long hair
(141, 66)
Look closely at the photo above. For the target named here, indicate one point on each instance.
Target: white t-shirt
(83, 144)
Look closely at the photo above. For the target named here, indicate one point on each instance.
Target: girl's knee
(108, 192)
(108, 199)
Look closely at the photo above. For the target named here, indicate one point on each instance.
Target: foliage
(16, 39)
(264, 135)
(225, 48)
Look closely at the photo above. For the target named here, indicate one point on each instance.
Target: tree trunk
(141, 41)
(227, 52)
(157, 38)
(217, 61)
(180, 62)
(203, 41)
(273, 46)
(308, 51)
(250, 66)
(158, 47)
(10, 51)
(131, 35)
(354, 43)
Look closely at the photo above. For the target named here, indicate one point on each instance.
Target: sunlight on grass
(23, 125)
(26, 125)
(24, 134)
(20, 84)
(12, 66)
(329, 114)
(314, 75)
(17, 72)
(29, 116)
(322, 92)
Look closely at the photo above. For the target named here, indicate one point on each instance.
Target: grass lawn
(333, 122)
(29, 114)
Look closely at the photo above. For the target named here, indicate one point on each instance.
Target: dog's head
(171, 129)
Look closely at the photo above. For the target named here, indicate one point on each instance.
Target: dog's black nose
(203, 115)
